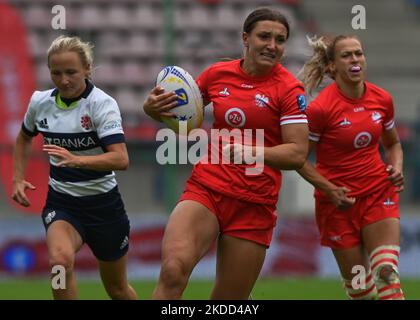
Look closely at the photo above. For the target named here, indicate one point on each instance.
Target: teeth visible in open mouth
(269, 55)
(355, 69)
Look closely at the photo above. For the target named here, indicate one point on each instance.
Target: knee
(61, 257)
(384, 263)
(388, 273)
(174, 273)
(117, 291)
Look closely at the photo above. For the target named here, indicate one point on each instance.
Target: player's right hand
(19, 195)
(339, 197)
(159, 102)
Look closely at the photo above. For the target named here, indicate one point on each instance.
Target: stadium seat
(107, 74)
(128, 100)
(38, 16)
(228, 18)
(88, 17)
(133, 74)
(118, 16)
(111, 44)
(37, 44)
(138, 45)
(43, 76)
(147, 17)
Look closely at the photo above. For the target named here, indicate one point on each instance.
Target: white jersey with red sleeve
(244, 102)
(347, 132)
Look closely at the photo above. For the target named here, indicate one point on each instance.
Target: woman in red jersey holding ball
(221, 201)
(356, 192)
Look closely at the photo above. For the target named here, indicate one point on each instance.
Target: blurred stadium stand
(131, 47)
(129, 38)
(130, 50)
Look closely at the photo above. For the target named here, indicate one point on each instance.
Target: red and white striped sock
(368, 292)
(384, 266)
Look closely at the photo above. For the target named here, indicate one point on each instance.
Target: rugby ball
(189, 110)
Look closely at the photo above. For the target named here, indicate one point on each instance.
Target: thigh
(190, 231)
(383, 232)
(239, 263)
(338, 229)
(250, 221)
(62, 237)
(109, 239)
(348, 259)
(114, 273)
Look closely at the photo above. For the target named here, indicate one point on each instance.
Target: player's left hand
(396, 177)
(241, 154)
(65, 158)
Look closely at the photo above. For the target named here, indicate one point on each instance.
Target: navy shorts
(100, 220)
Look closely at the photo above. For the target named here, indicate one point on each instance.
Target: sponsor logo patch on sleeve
(301, 102)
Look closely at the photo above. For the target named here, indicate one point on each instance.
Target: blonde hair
(73, 44)
(317, 67)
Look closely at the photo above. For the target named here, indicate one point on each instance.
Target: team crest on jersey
(376, 117)
(388, 202)
(261, 100)
(345, 123)
(235, 117)
(301, 102)
(86, 122)
(362, 140)
(224, 92)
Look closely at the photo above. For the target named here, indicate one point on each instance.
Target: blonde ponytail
(315, 69)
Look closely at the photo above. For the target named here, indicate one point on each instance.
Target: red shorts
(342, 229)
(237, 218)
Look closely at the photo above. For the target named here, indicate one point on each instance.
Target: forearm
(21, 155)
(288, 156)
(104, 162)
(310, 174)
(394, 156)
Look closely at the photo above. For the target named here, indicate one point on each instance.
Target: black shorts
(100, 220)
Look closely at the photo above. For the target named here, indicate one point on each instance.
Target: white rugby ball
(189, 110)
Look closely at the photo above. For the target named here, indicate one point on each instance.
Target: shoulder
(225, 65)
(285, 80)
(42, 96)
(99, 96)
(377, 92)
(285, 75)
(222, 66)
(323, 102)
(327, 95)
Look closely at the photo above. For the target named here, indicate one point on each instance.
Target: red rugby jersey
(348, 132)
(245, 102)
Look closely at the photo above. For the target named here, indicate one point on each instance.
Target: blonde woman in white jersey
(83, 136)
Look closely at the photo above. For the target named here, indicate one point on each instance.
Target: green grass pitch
(265, 289)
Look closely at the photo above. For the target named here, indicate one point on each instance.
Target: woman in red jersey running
(356, 192)
(221, 201)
